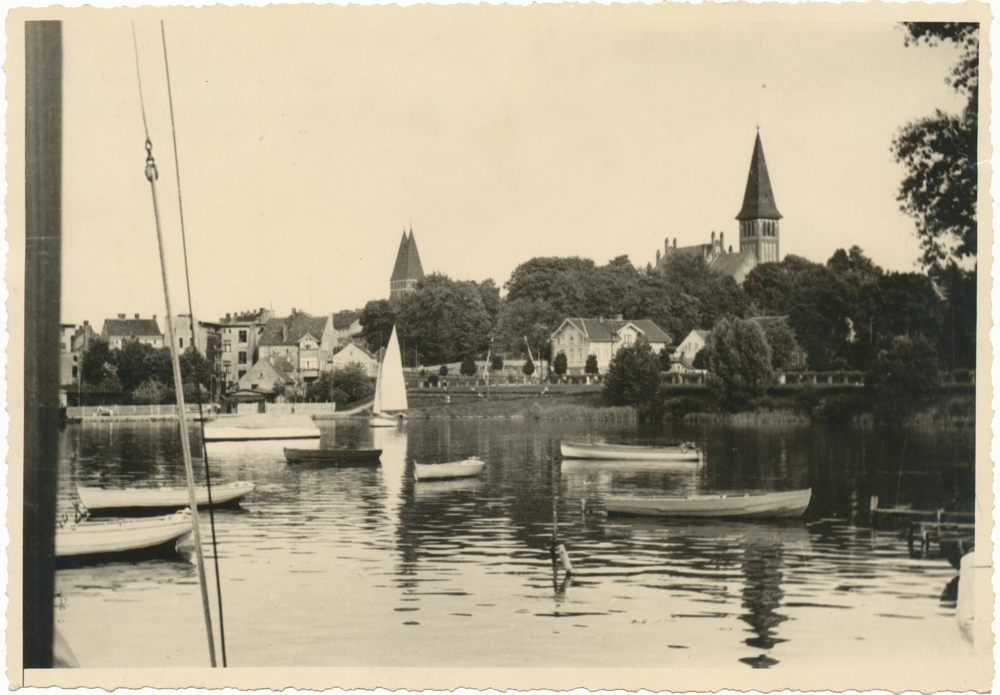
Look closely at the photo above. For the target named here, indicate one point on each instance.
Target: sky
(309, 138)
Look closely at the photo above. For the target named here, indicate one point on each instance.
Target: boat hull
(101, 501)
(768, 504)
(383, 421)
(100, 538)
(239, 434)
(333, 456)
(620, 452)
(448, 471)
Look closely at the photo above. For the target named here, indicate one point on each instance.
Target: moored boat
(446, 471)
(157, 499)
(243, 428)
(333, 456)
(624, 452)
(90, 538)
(390, 387)
(745, 504)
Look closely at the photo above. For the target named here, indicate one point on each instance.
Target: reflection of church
(758, 229)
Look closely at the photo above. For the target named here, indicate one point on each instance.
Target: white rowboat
(624, 452)
(445, 471)
(757, 504)
(96, 498)
(121, 535)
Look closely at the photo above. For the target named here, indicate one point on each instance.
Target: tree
(341, 386)
(904, 371)
(139, 362)
(633, 376)
(377, 319)
(149, 392)
(739, 362)
(468, 367)
(560, 364)
(444, 370)
(940, 154)
(665, 355)
(700, 360)
(446, 318)
(782, 341)
(98, 364)
(591, 366)
(529, 367)
(195, 368)
(531, 320)
(496, 364)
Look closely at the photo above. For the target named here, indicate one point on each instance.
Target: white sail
(390, 389)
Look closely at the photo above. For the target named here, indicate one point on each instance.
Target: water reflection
(342, 557)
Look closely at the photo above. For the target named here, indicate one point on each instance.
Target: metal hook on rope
(151, 172)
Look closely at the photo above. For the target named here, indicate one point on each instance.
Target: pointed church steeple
(759, 215)
(408, 270)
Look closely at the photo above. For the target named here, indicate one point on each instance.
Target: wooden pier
(954, 532)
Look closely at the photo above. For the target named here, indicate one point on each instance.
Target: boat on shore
(735, 504)
(628, 452)
(448, 471)
(390, 387)
(91, 539)
(334, 456)
(138, 500)
(261, 427)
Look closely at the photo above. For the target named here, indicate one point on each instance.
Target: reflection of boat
(765, 504)
(140, 499)
(595, 465)
(120, 536)
(390, 388)
(764, 533)
(333, 456)
(442, 471)
(245, 428)
(446, 487)
(624, 452)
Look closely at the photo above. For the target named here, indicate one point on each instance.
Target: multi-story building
(347, 327)
(181, 326)
(580, 338)
(116, 332)
(304, 340)
(239, 336)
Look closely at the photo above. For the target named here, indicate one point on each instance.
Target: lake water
(365, 567)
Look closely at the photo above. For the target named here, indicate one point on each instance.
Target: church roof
(730, 263)
(758, 200)
(407, 261)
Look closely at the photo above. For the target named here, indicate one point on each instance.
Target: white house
(580, 338)
(692, 344)
(354, 354)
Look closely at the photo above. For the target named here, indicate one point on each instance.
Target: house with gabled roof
(692, 344)
(306, 341)
(117, 332)
(355, 354)
(579, 338)
(265, 375)
(347, 327)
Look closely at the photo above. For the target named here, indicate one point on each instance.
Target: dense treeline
(144, 372)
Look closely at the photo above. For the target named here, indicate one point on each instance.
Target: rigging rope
(201, 414)
(151, 176)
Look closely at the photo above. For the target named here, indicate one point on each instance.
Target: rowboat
(333, 456)
(120, 535)
(444, 471)
(140, 499)
(758, 504)
(244, 428)
(600, 450)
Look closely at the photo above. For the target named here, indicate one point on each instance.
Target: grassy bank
(585, 407)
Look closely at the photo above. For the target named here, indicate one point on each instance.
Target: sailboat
(390, 389)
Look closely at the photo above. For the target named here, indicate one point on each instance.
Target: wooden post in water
(42, 283)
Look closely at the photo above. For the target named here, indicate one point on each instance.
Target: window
(227, 367)
(241, 358)
(253, 387)
(628, 338)
(243, 336)
(180, 342)
(74, 372)
(227, 346)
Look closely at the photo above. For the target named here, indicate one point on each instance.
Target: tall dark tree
(560, 364)
(739, 362)
(940, 156)
(633, 376)
(468, 367)
(444, 319)
(591, 366)
(98, 362)
(377, 319)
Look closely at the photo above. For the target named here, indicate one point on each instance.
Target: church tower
(407, 272)
(759, 215)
